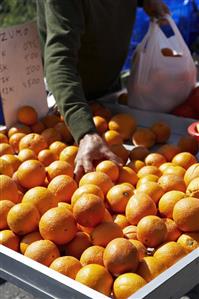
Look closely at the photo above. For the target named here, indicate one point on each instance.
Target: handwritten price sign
(21, 71)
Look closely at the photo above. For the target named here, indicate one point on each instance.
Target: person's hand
(155, 8)
(91, 148)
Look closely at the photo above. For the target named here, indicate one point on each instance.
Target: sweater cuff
(81, 123)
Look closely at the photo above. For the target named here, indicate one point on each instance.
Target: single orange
(66, 265)
(6, 168)
(139, 205)
(23, 218)
(162, 131)
(186, 214)
(189, 241)
(27, 115)
(29, 239)
(3, 138)
(120, 220)
(164, 166)
(15, 140)
(19, 186)
(6, 148)
(163, 253)
(120, 256)
(173, 231)
(169, 151)
(64, 131)
(110, 168)
(78, 245)
(58, 225)
(50, 120)
(175, 169)
(150, 267)
(12, 160)
(153, 189)
(147, 178)
(31, 173)
(42, 251)
(89, 210)
(92, 255)
(46, 157)
(149, 169)
(57, 147)
(184, 159)
(41, 198)
(38, 127)
(65, 205)
(63, 187)
(144, 137)
(27, 154)
(69, 153)
(155, 159)
(34, 142)
(19, 129)
(8, 189)
(112, 137)
(130, 232)
(5, 206)
(127, 284)
(85, 189)
(97, 178)
(96, 277)
(191, 173)
(51, 135)
(151, 231)
(127, 175)
(142, 251)
(9, 239)
(123, 123)
(118, 197)
(100, 110)
(193, 188)
(168, 201)
(188, 144)
(100, 124)
(105, 232)
(171, 182)
(59, 168)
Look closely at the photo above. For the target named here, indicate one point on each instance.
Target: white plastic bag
(157, 82)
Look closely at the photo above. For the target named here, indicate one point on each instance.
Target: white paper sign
(21, 71)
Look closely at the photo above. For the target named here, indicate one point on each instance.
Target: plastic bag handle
(175, 28)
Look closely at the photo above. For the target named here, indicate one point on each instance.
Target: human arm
(65, 27)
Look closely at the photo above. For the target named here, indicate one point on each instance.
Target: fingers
(88, 165)
(81, 167)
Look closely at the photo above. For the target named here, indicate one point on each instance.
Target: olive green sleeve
(65, 26)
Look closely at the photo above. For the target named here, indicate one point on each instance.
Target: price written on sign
(21, 71)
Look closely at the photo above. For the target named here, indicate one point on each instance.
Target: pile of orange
(116, 228)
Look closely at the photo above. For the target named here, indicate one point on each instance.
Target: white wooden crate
(46, 283)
